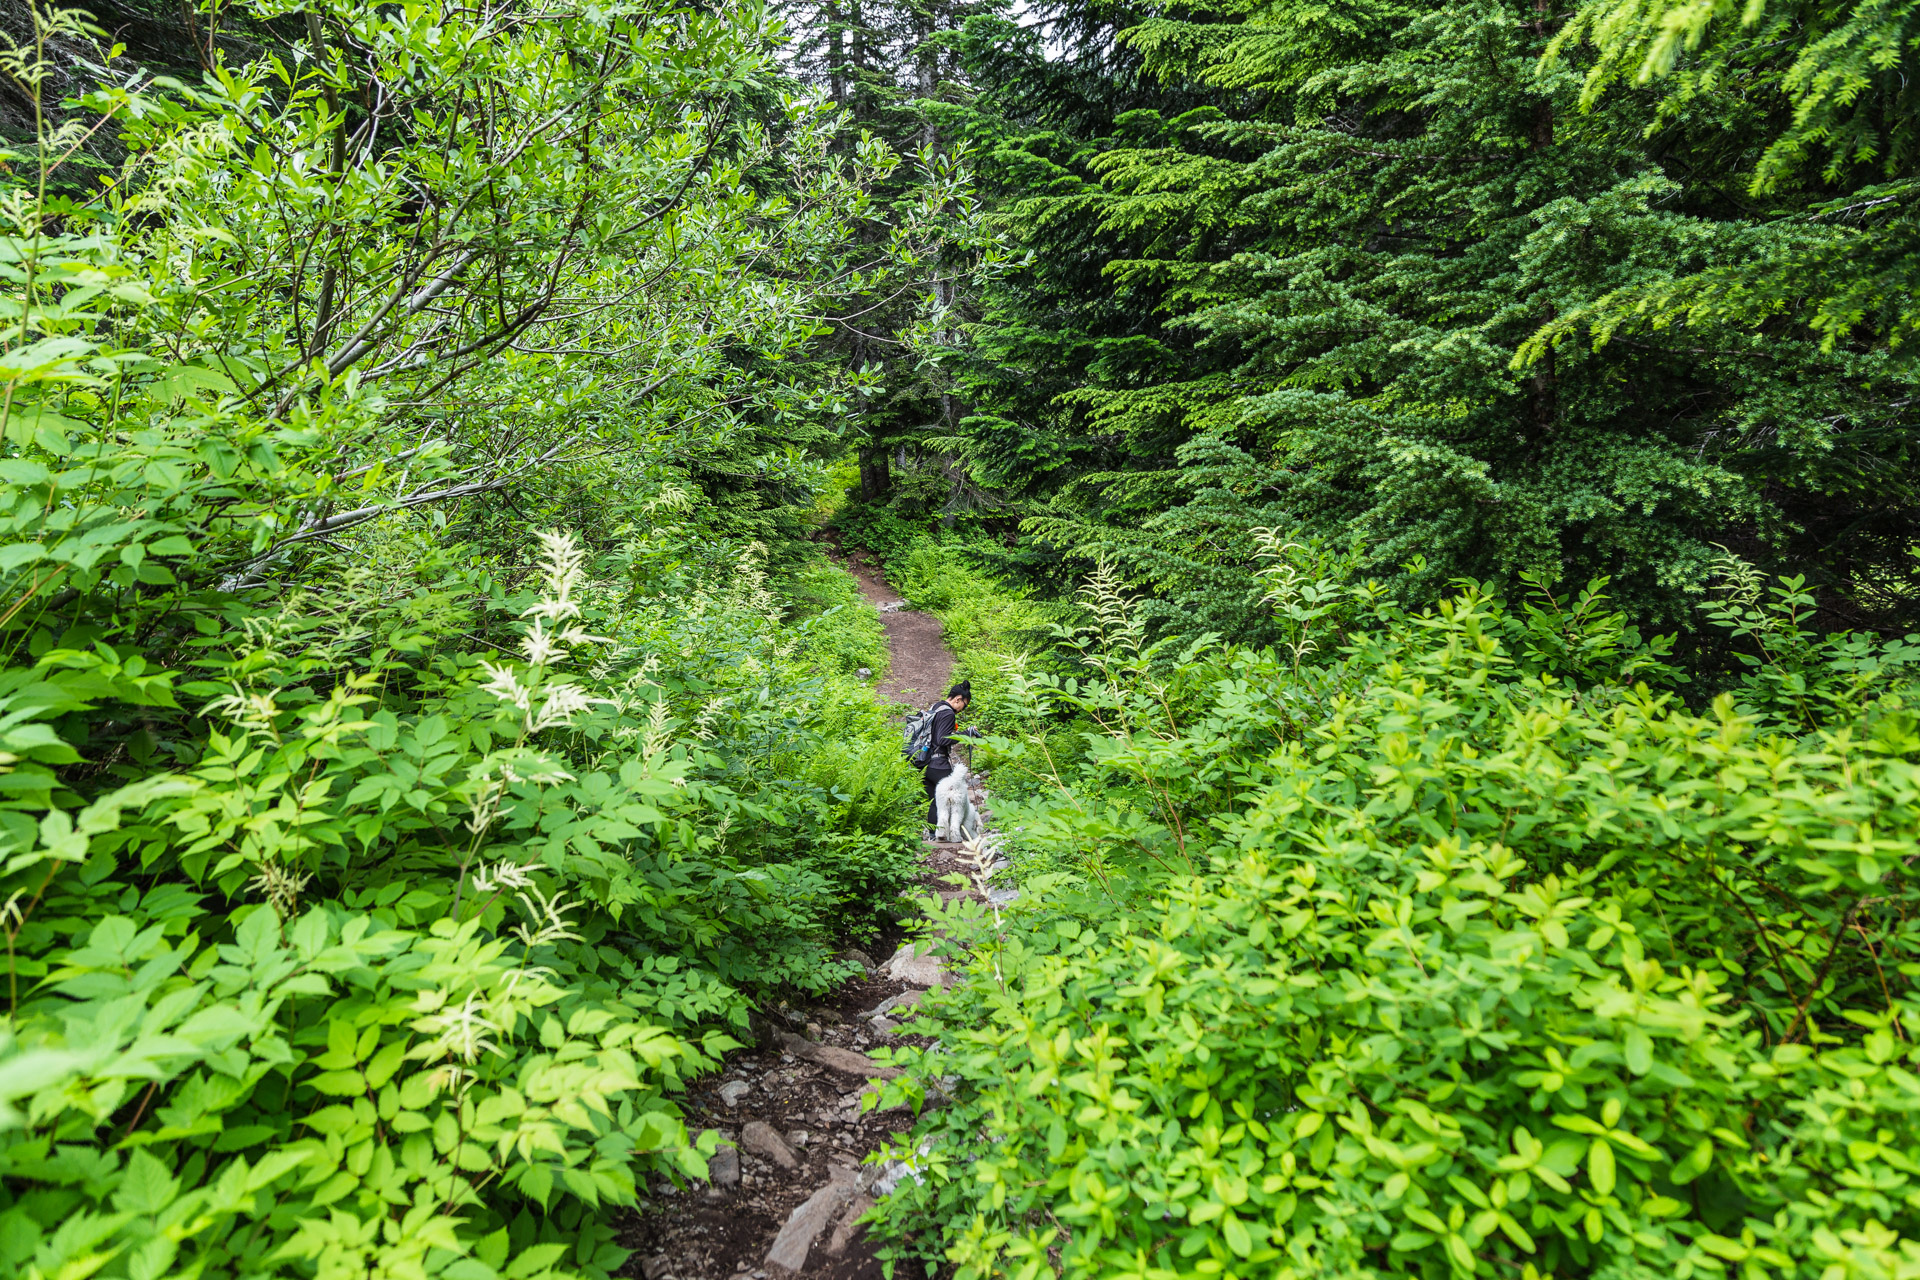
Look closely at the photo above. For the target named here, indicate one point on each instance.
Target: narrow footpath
(921, 663)
(789, 1185)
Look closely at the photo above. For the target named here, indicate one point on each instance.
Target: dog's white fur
(958, 819)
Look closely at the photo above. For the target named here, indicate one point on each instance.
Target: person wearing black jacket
(940, 762)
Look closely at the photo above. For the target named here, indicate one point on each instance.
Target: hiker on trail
(940, 763)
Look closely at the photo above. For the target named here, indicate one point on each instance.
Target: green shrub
(839, 630)
(375, 867)
(1433, 960)
(322, 1093)
(878, 529)
(873, 789)
(867, 874)
(401, 964)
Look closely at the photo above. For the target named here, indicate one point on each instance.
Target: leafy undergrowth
(405, 962)
(1450, 943)
(410, 772)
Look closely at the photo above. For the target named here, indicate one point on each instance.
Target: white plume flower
(551, 917)
(562, 702)
(280, 887)
(505, 685)
(461, 1032)
(504, 875)
(564, 568)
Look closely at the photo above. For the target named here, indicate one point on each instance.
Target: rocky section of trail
(790, 1184)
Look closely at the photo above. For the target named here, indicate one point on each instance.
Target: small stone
(813, 1032)
(655, 1268)
(724, 1167)
(910, 966)
(799, 1138)
(885, 1026)
(760, 1138)
(1003, 897)
(866, 673)
(732, 1091)
(859, 957)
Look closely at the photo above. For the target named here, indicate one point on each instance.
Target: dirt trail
(791, 1104)
(921, 661)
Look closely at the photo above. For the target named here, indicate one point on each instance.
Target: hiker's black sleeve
(943, 718)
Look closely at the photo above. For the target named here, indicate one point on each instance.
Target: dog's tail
(970, 824)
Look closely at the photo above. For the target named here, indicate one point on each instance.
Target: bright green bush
(1432, 959)
(378, 862)
(398, 971)
(321, 1094)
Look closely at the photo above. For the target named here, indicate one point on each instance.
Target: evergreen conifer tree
(1345, 272)
(889, 64)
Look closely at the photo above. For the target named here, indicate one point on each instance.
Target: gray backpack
(919, 736)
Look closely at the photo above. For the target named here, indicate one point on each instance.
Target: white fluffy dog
(958, 819)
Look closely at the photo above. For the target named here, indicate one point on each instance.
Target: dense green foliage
(1440, 944)
(1454, 288)
(1824, 97)
(411, 772)
(427, 727)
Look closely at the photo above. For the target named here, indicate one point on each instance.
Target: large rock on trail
(788, 1257)
(845, 1061)
(915, 968)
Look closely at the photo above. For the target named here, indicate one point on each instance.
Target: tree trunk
(926, 72)
(836, 55)
(1542, 391)
(876, 480)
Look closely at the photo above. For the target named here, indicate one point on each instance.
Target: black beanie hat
(962, 690)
